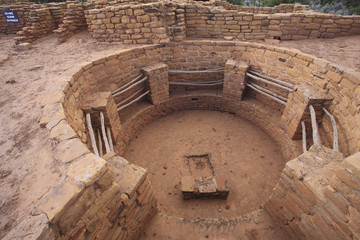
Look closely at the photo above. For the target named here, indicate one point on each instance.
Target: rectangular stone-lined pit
(204, 187)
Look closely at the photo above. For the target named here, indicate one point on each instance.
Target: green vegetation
(272, 3)
(46, 1)
(344, 7)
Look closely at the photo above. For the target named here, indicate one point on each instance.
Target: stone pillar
(158, 82)
(103, 101)
(234, 79)
(297, 109)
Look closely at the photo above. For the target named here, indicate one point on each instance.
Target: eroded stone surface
(87, 169)
(58, 200)
(68, 151)
(51, 112)
(62, 131)
(53, 97)
(204, 187)
(32, 228)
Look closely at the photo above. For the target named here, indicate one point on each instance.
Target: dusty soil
(239, 150)
(343, 50)
(28, 168)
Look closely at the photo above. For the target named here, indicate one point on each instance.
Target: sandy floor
(27, 167)
(343, 50)
(239, 150)
(242, 152)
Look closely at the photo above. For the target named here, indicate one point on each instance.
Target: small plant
(343, 7)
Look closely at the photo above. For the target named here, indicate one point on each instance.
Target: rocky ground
(28, 168)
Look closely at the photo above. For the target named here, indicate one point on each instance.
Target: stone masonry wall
(141, 23)
(62, 115)
(93, 202)
(282, 8)
(39, 24)
(288, 65)
(210, 22)
(73, 21)
(318, 199)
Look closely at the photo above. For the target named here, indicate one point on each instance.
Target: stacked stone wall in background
(141, 23)
(210, 22)
(73, 21)
(282, 8)
(39, 24)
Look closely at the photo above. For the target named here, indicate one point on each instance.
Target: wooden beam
(91, 133)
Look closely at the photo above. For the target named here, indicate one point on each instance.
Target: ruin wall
(282, 8)
(107, 74)
(210, 22)
(140, 23)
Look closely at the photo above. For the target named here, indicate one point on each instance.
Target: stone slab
(87, 170)
(69, 150)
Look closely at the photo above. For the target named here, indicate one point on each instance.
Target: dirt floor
(242, 152)
(28, 168)
(343, 50)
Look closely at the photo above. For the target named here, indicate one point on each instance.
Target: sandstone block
(69, 150)
(53, 97)
(352, 163)
(125, 19)
(23, 46)
(115, 20)
(87, 169)
(77, 210)
(62, 131)
(138, 12)
(33, 227)
(143, 18)
(51, 112)
(54, 203)
(106, 180)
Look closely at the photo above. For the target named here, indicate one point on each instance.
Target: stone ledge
(87, 169)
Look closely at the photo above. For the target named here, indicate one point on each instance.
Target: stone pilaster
(158, 82)
(297, 109)
(234, 79)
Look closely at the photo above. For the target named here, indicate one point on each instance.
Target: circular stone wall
(133, 191)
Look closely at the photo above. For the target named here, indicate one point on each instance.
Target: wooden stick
(268, 82)
(101, 152)
(303, 136)
(130, 87)
(197, 71)
(110, 139)
(272, 79)
(91, 133)
(106, 142)
(266, 94)
(135, 100)
(196, 84)
(129, 98)
(335, 132)
(127, 84)
(268, 91)
(315, 128)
